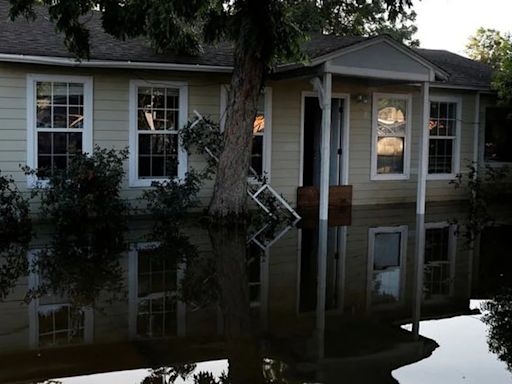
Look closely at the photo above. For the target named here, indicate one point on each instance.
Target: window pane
(143, 120)
(44, 92)
(145, 144)
(390, 155)
(144, 167)
(391, 117)
(54, 150)
(171, 123)
(60, 117)
(158, 100)
(144, 97)
(60, 146)
(60, 94)
(257, 154)
(76, 117)
(158, 155)
(44, 116)
(386, 250)
(44, 143)
(259, 124)
(172, 101)
(76, 94)
(74, 143)
(158, 120)
(440, 156)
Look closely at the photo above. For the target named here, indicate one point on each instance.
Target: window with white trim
(387, 249)
(391, 136)
(443, 140)
(158, 110)
(59, 121)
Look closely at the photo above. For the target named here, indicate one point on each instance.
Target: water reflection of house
(371, 284)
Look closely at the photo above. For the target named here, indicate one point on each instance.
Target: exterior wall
(111, 119)
(110, 112)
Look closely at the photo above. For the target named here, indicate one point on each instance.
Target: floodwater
(376, 295)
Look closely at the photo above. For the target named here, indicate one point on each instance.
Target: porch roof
(37, 42)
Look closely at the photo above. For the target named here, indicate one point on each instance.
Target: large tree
(353, 17)
(491, 47)
(263, 33)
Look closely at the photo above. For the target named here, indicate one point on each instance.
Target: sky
(447, 24)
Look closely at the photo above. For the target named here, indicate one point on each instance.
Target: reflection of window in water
(59, 323)
(254, 255)
(388, 249)
(156, 295)
(437, 275)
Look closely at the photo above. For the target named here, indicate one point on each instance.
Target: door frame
(345, 134)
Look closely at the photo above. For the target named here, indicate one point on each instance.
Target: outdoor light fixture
(361, 98)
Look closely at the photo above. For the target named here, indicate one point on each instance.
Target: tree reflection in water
(498, 317)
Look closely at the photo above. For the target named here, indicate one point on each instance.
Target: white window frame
(133, 161)
(452, 251)
(456, 140)
(407, 138)
(87, 130)
(403, 230)
(267, 135)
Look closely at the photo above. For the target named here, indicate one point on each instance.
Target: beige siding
(111, 93)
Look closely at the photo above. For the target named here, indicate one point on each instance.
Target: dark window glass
(440, 156)
(498, 134)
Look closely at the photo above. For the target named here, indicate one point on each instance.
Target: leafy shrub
(15, 234)
(486, 187)
(84, 206)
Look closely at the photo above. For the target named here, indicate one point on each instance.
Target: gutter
(69, 62)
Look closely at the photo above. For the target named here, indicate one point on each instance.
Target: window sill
(146, 183)
(389, 177)
(441, 176)
(34, 183)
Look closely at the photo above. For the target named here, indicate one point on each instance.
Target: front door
(313, 141)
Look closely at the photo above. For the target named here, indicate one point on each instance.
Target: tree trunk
(230, 191)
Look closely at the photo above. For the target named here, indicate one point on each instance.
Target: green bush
(88, 218)
(15, 234)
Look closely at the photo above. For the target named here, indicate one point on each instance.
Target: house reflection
(373, 278)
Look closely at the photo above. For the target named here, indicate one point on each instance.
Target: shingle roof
(38, 38)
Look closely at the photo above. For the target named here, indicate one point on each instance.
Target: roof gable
(381, 57)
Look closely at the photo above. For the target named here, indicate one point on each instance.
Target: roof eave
(70, 62)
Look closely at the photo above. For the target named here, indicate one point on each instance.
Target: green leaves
(356, 17)
(15, 234)
(88, 219)
(491, 47)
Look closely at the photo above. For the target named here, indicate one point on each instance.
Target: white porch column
(326, 146)
(418, 275)
(423, 152)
